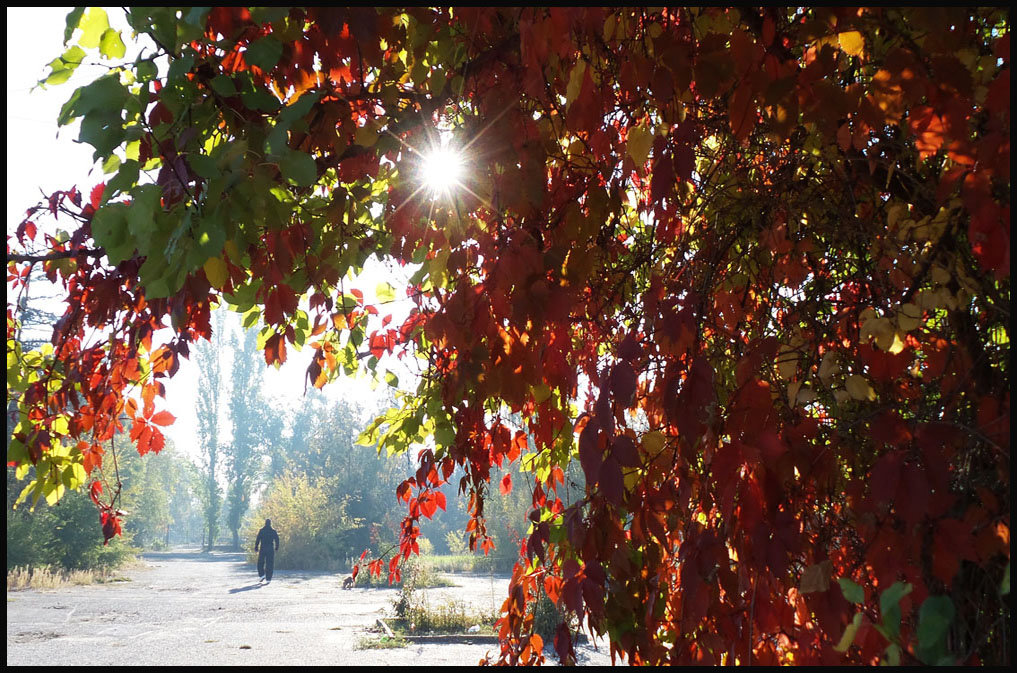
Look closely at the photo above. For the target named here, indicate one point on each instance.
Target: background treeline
(160, 495)
(258, 458)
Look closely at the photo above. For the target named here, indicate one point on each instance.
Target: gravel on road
(187, 608)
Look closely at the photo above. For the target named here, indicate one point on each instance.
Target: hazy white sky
(38, 156)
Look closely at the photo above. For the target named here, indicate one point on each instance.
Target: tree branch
(65, 254)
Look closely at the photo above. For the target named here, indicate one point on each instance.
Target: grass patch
(382, 643)
(48, 577)
(416, 616)
(451, 617)
(467, 563)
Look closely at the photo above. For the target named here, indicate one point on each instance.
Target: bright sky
(40, 156)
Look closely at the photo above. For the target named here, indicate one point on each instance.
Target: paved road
(185, 608)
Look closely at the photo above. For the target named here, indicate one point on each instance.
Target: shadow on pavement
(257, 585)
(195, 555)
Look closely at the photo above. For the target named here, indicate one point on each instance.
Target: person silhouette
(268, 540)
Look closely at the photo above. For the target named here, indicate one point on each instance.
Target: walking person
(268, 540)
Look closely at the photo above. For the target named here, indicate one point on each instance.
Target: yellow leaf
(828, 367)
(852, 42)
(610, 23)
(640, 139)
(787, 362)
(849, 634)
(366, 136)
(909, 317)
(541, 392)
(859, 388)
(653, 442)
(792, 392)
(805, 396)
(575, 82)
(215, 271)
(897, 346)
(880, 329)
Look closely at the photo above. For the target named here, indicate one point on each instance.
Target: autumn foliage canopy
(749, 269)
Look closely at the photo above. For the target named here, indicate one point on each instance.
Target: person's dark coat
(266, 545)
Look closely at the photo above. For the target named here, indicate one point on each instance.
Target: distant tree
(59, 535)
(250, 417)
(323, 449)
(210, 402)
(315, 527)
(159, 495)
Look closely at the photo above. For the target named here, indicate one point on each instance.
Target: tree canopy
(748, 268)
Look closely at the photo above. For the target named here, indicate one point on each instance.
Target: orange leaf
(163, 418)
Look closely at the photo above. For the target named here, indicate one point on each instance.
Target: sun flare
(442, 169)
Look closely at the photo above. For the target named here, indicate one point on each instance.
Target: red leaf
(94, 491)
(403, 492)
(163, 418)
(742, 112)
(623, 383)
(95, 198)
(427, 504)
(612, 484)
(506, 484)
(886, 477)
(590, 455)
(275, 350)
(623, 449)
(110, 526)
(663, 179)
(378, 344)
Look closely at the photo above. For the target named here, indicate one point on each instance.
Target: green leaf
(111, 46)
(145, 70)
(124, 180)
(264, 53)
(1004, 585)
(141, 214)
(109, 229)
(211, 236)
(851, 591)
(277, 140)
(73, 19)
(179, 67)
(204, 165)
(444, 435)
(893, 653)
(224, 85)
(934, 619)
(104, 132)
(105, 94)
(260, 99)
(299, 168)
(93, 25)
(889, 606)
(300, 108)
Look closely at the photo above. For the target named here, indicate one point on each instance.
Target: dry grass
(46, 577)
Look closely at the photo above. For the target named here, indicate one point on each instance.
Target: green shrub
(66, 535)
(314, 530)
